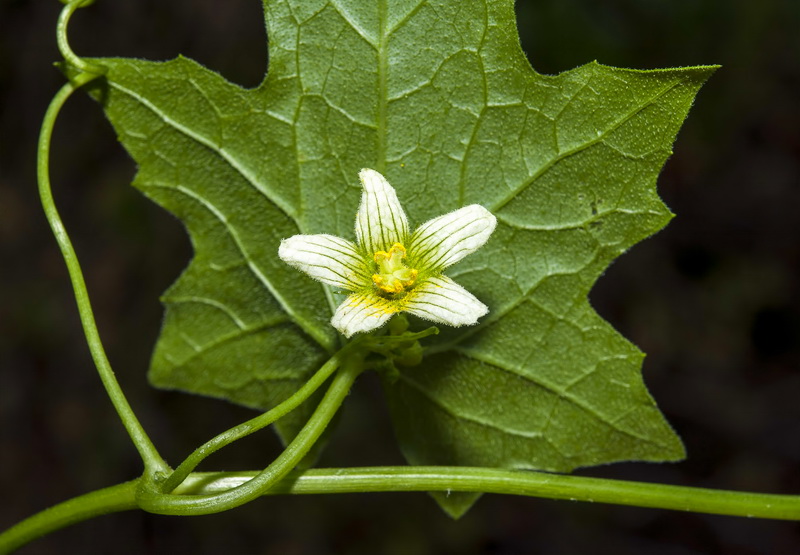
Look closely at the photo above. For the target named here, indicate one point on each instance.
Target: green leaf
(438, 96)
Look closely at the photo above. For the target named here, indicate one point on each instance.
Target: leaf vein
(210, 302)
(248, 176)
(306, 326)
(469, 418)
(558, 392)
(583, 146)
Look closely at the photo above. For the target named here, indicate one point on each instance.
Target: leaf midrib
(383, 87)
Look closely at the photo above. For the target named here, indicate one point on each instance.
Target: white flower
(389, 270)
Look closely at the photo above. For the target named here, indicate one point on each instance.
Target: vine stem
(151, 499)
(152, 460)
(364, 343)
(114, 499)
(262, 420)
(200, 485)
(63, 44)
(139, 493)
(514, 482)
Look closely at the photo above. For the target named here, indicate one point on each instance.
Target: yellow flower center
(393, 276)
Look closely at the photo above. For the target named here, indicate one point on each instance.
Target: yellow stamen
(393, 276)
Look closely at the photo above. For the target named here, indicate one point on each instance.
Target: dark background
(714, 299)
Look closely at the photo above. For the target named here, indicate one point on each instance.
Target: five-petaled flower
(391, 270)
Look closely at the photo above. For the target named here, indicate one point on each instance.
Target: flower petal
(362, 312)
(327, 258)
(380, 221)
(440, 299)
(443, 241)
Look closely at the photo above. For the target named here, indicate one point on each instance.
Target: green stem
(152, 460)
(213, 485)
(261, 421)
(227, 437)
(514, 482)
(63, 44)
(117, 498)
(150, 499)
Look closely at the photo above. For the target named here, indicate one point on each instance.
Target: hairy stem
(152, 460)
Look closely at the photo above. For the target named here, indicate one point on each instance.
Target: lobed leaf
(437, 95)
